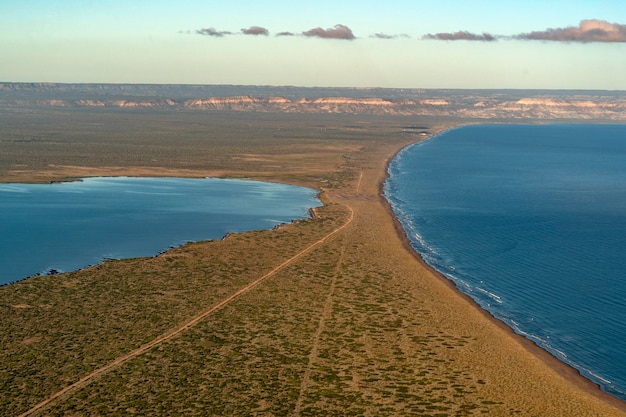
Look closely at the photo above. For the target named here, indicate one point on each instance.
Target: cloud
(255, 30)
(461, 36)
(587, 31)
(285, 34)
(338, 32)
(386, 36)
(212, 32)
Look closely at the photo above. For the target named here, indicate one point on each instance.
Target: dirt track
(122, 359)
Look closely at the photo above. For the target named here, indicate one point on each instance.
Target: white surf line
(123, 359)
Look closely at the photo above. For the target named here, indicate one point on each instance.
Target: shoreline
(367, 321)
(568, 372)
(101, 258)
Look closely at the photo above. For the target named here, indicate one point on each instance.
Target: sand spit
(355, 325)
(569, 373)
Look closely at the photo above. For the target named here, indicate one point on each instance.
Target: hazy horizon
(447, 44)
(320, 87)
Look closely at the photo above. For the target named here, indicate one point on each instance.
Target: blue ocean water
(530, 221)
(67, 226)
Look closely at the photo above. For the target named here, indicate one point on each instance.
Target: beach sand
(358, 325)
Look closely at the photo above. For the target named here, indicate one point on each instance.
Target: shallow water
(67, 226)
(530, 221)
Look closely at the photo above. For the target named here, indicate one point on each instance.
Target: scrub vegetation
(353, 325)
(44, 144)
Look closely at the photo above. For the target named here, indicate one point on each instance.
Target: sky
(543, 44)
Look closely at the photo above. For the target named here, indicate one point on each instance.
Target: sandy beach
(527, 377)
(569, 373)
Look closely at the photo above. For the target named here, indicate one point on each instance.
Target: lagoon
(60, 227)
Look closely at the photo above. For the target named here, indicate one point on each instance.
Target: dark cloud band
(212, 32)
(461, 36)
(592, 30)
(587, 31)
(338, 32)
(255, 30)
(387, 36)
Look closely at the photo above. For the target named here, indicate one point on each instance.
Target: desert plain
(332, 315)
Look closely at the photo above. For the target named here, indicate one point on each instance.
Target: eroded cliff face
(467, 107)
(458, 103)
(550, 108)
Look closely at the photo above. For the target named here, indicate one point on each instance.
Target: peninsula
(334, 315)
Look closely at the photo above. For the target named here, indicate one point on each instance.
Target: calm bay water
(530, 221)
(68, 226)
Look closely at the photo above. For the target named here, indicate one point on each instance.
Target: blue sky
(157, 41)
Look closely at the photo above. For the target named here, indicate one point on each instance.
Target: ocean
(529, 221)
(48, 228)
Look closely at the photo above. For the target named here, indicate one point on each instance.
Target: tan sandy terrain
(328, 316)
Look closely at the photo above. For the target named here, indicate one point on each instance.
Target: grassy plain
(355, 325)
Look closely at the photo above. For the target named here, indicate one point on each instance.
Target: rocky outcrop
(523, 108)
(566, 109)
(302, 105)
(475, 104)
